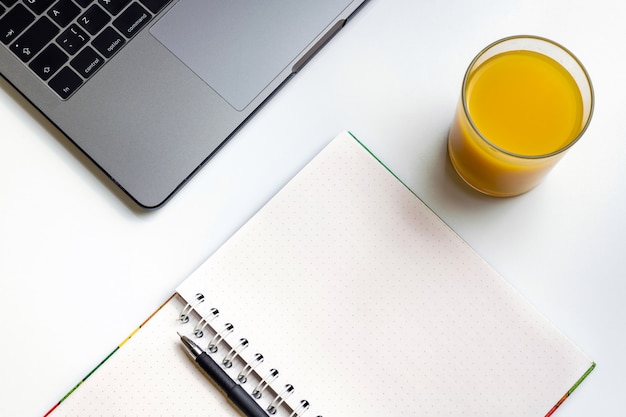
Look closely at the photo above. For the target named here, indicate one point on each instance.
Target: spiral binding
(250, 366)
(228, 359)
(304, 405)
(198, 331)
(280, 398)
(184, 314)
(220, 336)
(265, 382)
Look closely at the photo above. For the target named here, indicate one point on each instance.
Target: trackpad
(239, 46)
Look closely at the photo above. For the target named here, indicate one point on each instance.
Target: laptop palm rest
(239, 46)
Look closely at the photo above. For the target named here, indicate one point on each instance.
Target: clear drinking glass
(525, 100)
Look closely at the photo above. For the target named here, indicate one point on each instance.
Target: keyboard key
(14, 22)
(48, 61)
(73, 39)
(108, 42)
(63, 12)
(132, 20)
(87, 62)
(84, 3)
(34, 39)
(39, 6)
(114, 6)
(65, 82)
(155, 5)
(94, 19)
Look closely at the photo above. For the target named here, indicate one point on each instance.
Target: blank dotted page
(362, 298)
(370, 305)
(150, 375)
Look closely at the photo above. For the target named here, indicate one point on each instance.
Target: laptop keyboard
(65, 42)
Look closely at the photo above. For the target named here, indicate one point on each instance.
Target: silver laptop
(149, 90)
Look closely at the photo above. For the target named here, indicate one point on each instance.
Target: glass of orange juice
(525, 100)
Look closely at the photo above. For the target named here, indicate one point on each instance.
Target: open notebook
(365, 302)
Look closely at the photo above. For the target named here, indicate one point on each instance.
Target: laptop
(149, 90)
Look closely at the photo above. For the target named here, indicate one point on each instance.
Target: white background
(81, 267)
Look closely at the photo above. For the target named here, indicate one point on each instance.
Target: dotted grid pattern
(372, 305)
(150, 375)
(363, 299)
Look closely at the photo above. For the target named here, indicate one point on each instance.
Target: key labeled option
(108, 42)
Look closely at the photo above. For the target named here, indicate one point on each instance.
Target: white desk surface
(80, 267)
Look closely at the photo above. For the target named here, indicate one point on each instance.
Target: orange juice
(518, 111)
(525, 103)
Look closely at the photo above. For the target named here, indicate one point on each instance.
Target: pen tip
(193, 349)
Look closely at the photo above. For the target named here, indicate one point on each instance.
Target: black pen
(244, 402)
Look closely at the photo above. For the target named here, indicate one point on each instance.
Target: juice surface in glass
(523, 106)
(525, 103)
